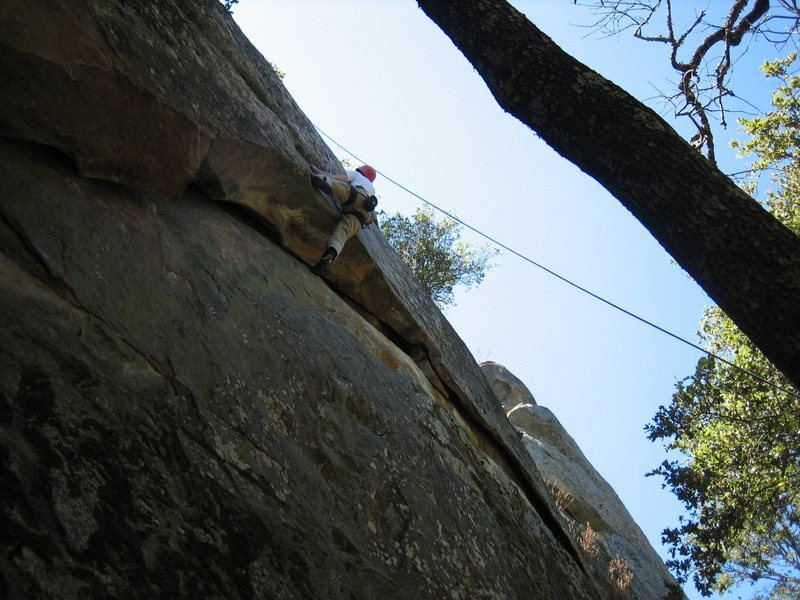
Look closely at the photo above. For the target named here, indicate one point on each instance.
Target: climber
(356, 201)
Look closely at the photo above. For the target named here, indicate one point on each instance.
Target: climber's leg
(346, 228)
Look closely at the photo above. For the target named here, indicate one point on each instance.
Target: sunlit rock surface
(185, 410)
(583, 495)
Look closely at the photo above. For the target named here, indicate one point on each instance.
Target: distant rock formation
(185, 410)
(584, 496)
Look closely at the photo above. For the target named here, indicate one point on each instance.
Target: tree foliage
(435, 253)
(739, 476)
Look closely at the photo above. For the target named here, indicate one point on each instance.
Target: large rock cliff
(185, 410)
(594, 513)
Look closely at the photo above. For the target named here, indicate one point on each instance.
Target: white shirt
(359, 181)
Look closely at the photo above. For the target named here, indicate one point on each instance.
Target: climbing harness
(369, 203)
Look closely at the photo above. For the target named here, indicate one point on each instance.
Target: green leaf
(434, 252)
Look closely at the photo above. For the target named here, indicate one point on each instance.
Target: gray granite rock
(185, 410)
(585, 497)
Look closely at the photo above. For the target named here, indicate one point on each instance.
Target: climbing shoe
(320, 183)
(324, 262)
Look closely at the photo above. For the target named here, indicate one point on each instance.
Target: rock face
(187, 412)
(585, 498)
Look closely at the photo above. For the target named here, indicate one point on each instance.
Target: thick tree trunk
(745, 259)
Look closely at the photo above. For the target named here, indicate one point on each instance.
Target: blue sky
(382, 80)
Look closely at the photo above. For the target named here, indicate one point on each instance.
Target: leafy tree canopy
(739, 476)
(434, 251)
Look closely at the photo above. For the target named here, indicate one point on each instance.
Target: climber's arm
(343, 178)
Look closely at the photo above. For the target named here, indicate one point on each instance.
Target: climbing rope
(565, 280)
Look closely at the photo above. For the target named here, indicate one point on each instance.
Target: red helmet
(367, 172)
